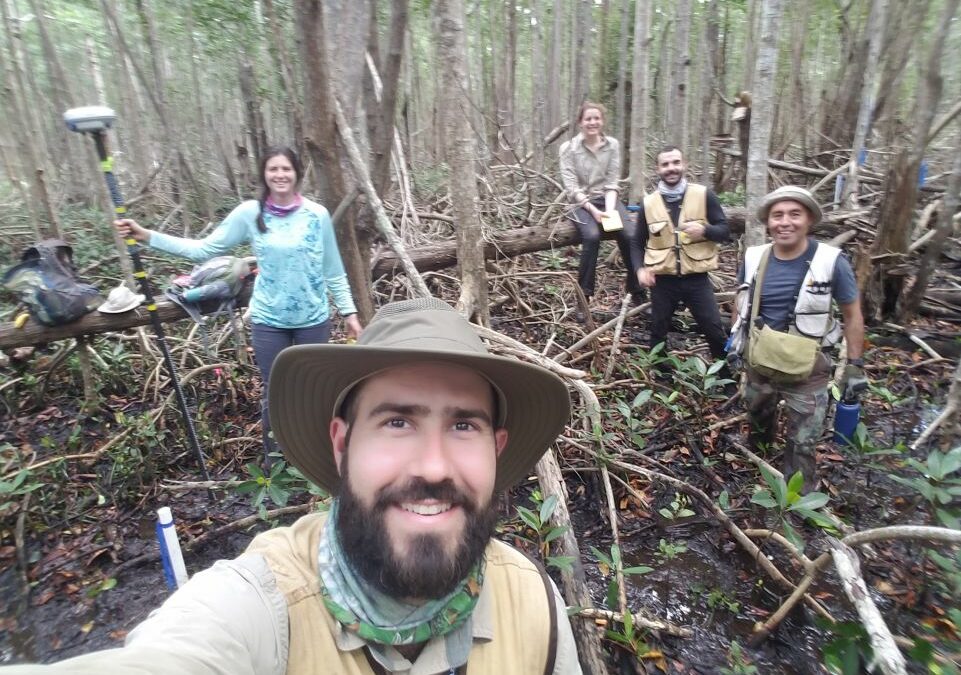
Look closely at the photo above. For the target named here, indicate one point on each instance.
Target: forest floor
(78, 562)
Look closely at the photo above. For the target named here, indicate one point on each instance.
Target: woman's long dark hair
(269, 154)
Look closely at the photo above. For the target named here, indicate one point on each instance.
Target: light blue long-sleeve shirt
(297, 257)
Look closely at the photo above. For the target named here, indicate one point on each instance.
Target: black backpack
(47, 283)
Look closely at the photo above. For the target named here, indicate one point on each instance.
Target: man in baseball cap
(787, 325)
(415, 429)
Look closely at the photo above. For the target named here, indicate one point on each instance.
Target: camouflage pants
(806, 404)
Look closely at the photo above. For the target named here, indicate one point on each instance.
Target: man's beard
(429, 570)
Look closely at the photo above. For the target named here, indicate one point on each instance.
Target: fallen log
(34, 333)
(510, 243)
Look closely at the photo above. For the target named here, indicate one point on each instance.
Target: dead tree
(887, 279)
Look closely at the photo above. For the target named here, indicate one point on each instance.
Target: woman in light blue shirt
(297, 258)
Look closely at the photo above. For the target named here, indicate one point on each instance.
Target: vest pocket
(655, 257)
(658, 229)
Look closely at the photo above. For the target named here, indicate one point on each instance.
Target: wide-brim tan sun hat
(308, 384)
(792, 193)
(120, 299)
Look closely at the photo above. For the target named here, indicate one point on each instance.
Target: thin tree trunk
(711, 32)
(750, 45)
(676, 118)
(799, 29)
(762, 116)
(639, 98)
(911, 300)
(256, 135)
(292, 98)
(200, 154)
(19, 176)
(554, 66)
(620, 95)
(886, 283)
(452, 61)
(539, 111)
(869, 91)
(62, 100)
(382, 135)
(580, 59)
(600, 49)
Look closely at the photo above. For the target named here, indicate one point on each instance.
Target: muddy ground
(91, 523)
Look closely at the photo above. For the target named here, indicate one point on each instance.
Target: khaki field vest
(521, 609)
(667, 252)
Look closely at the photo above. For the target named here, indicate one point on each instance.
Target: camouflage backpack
(47, 283)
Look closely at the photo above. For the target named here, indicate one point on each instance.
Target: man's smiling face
(418, 459)
(671, 167)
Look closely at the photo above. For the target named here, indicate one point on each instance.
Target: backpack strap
(552, 605)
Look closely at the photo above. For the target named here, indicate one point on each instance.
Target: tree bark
(455, 113)
(25, 130)
(554, 66)
(886, 283)
(320, 130)
(288, 83)
(640, 99)
(676, 118)
(875, 30)
(762, 117)
(911, 300)
(580, 59)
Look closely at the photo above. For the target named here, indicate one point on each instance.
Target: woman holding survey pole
(297, 257)
(590, 170)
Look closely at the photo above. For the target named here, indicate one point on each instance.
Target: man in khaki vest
(416, 429)
(679, 228)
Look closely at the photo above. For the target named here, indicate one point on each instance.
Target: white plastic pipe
(170, 553)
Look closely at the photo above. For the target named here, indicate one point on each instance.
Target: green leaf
(547, 508)
(565, 563)
(278, 495)
(764, 498)
(716, 366)
(602, 557)
(554, 533)
(792, 536)
(529, 518)
(639, 569)
(616, 555)
(642, 398)
(724, 500)
(666, 512)
(795, 485)
(108, 583)
(612, 593)
(818, 519)
(812, 500)
(952, 461)
(777, 485)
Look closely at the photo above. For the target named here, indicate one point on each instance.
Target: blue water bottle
(846, 418)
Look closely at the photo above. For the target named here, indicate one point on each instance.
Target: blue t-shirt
(297, 259)
(783, 278)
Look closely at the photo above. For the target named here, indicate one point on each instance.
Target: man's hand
(694, 231)
(853, 382)
(646, 277)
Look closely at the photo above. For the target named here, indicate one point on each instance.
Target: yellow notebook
(611, 222)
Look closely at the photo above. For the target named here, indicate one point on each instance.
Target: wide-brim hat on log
(792, 193)
(120, 299)
(308, 385)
